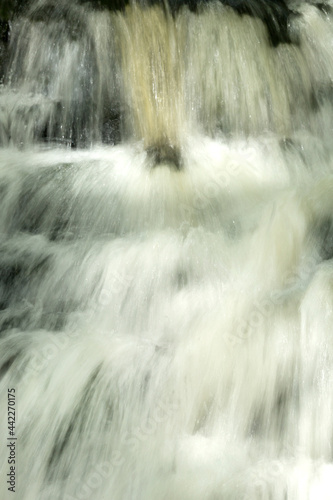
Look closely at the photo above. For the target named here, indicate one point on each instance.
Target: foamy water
(166, 286)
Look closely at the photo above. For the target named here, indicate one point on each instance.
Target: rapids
(166, 282)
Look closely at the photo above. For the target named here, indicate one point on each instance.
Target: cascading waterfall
(166, 182)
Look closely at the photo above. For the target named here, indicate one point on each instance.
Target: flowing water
(166, 283)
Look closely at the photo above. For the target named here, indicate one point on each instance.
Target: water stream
(166, 282)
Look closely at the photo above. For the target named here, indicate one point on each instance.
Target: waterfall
(166, 244)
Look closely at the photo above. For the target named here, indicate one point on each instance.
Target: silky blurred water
(166, 282)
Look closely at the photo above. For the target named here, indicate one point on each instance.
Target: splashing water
(166, 182)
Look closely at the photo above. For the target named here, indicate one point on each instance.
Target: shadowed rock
(165, 154)
(324, 7)
(275, 14)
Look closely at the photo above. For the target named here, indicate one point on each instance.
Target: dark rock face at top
(274, 14)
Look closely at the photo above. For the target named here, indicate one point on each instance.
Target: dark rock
(165, 154)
